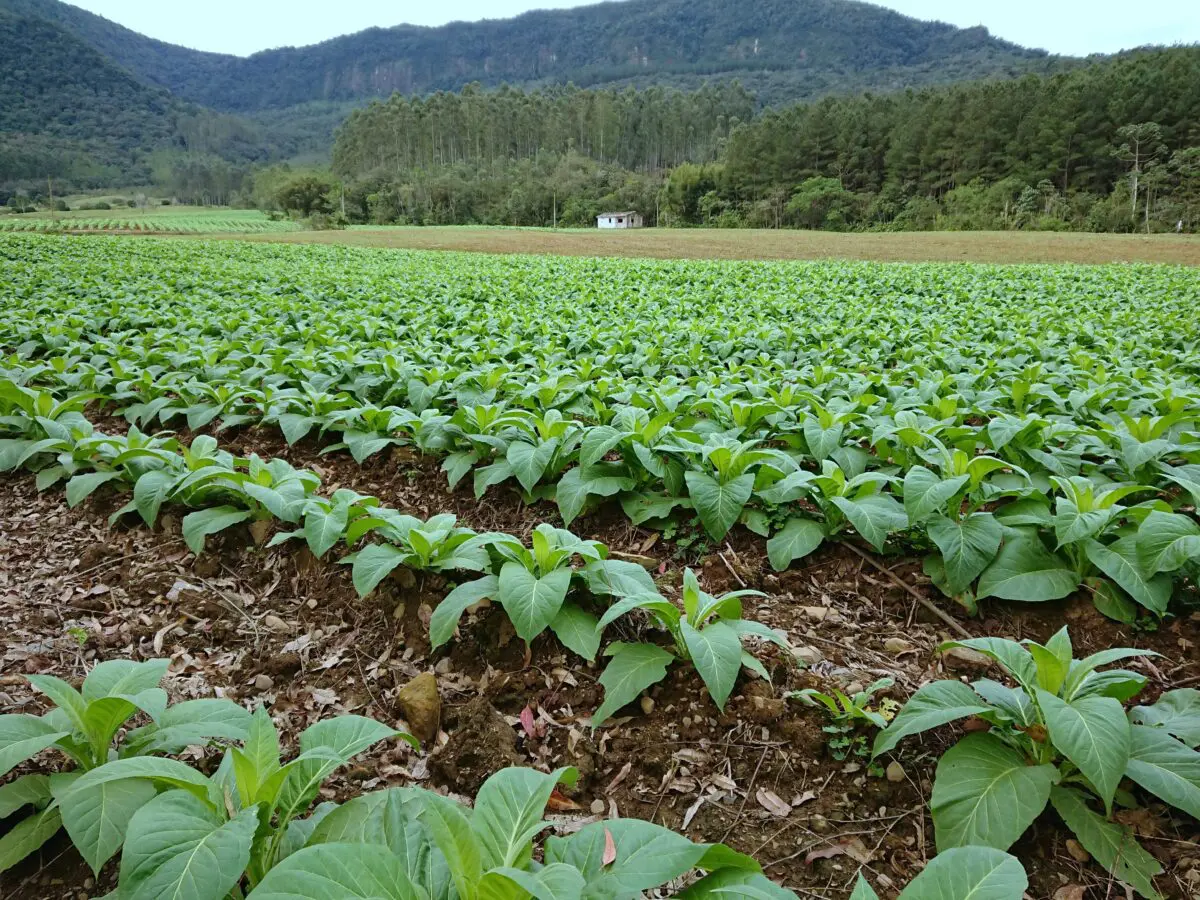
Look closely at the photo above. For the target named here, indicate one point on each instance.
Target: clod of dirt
(810, 656)
(421, 706)
(481, 743)
(896, 646)
(963, 659)
(282, 665)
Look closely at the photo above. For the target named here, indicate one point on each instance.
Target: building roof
(611, 214)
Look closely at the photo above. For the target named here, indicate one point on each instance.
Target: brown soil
(73, 592)
(707, 243)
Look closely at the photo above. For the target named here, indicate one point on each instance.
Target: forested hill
(784, 50)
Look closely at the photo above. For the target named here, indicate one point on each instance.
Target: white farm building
(619, 220)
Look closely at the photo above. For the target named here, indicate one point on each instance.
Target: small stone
(1077, 852)
(897, 646)
(895, 772)
(275, 623)
(855, 687)
(598, 807)
(810, 656)
(818, 824)
(263, 683)
(443, 666)
(421, 705)
(647, 705)
(964, 659)
(816, 613)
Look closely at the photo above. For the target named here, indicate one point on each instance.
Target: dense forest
(1110, 146)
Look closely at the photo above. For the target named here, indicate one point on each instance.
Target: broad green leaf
(719, 505)
(80, 487)
(452, 833)
(1082, 669)
(933, 705)
(150, 492)
(1165, 541)
(1026, 571)
(529, 462)
(740, 883)
(199, 525)
(556, 881)
(23, 736)
(338, 872)
(968, 873)
(323, 529)
(28, 790)
(617, 578)
(96, 815)
(987, 794)
(1121, 562)
(926, 493)
(122, 677)
(578, 631)
(968, 547)
(1015, 704)
(796, 540)
(863, 890)
(1176, 712)
(445, 617)
(27, 836)
(179, 847)
(1015, 659)
(716, 652)
(874, 517)
(531, 602)
(509, 813)
(634, 667)
(571, 495)
(374, 563)
(1166, 768)
(1094, 734)
(1114, 846)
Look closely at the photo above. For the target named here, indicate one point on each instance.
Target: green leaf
(374, 563)
(1094, 734)
(617, 578)
(796, 540)
(445, 617)
(749, 884)
(509, 811)
(531, 602)
(529, 462)
(23, 736)
(389, 819)
(1122, 563)
(634, 667)
(199, 525)
(27, 836)
(1176, 712)
(83, 486)
(1111, 601)
(28, 790)
(556, 881)
(1015, 704)
(177, 846)
(338, 872)
(1026, 571)
(1166, 768)
(986, 794)
(926, 493)
(187, 724)
(578, 630)
(719, 505)
(123, 677)
(716, 652)
(933, 705)
(874, 517)
(571, 495)
(1165, 541)
(968, 547)
(451, 830)
(863, 890)
(324, 529)
(647, 856)
(977, 873)
(1015, 659)
(96, 815)
(149, 493)
(1113, 846)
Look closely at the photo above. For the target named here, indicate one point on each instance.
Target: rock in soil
(895, 772)
(481, 743)
(421, 705)
(963, 659)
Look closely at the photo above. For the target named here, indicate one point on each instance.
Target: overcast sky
(1075, 27)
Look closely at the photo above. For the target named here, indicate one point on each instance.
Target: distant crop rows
(1030, 431)
(158, 224)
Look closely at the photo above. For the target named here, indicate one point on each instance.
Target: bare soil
(280, 627)
(707, 243)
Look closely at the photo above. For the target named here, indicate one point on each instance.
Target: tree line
(1110, 146)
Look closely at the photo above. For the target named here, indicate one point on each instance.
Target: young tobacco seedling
(408, 842)
(1060, 737)
(110, 781)
(848, 714)
(708, 633)
(243, 820)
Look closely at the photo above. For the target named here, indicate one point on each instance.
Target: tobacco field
(693, 579)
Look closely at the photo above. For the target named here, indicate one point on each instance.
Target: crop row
(160, 224)
(1036, 446)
